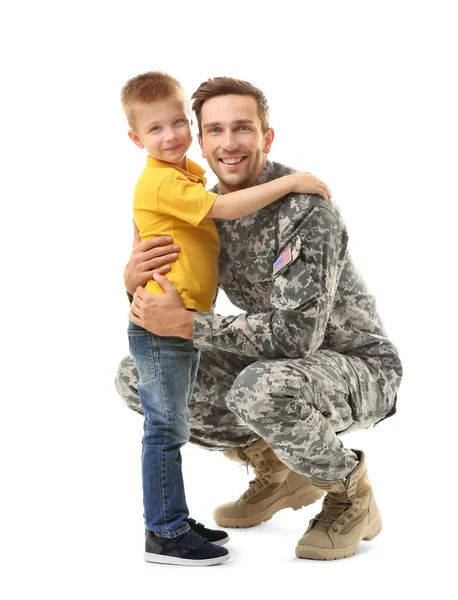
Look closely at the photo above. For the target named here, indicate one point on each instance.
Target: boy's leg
(212, 424)
(166, 367)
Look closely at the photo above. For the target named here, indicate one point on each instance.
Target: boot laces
(334, 506)
(262, 478)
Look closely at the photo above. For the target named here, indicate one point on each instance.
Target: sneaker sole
(184, 562)
(221, 542)
(314, 553)
(296, 500)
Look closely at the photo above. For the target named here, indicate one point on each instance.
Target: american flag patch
(285, 259)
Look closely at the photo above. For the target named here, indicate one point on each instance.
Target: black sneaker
(188, 550)
(215, 536)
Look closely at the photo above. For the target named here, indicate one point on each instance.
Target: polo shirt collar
(192, 167)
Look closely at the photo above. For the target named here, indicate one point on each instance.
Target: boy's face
(163, 128)
(232, 140)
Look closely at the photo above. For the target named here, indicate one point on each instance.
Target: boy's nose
(170, 135)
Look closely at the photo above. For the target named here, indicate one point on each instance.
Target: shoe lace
(334, 506)
(262, 478)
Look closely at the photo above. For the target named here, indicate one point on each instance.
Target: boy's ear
(268, 140)
(134, 137)
(199, 139)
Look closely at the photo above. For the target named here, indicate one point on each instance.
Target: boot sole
(314, 553)
(296, 500)
(184, 562)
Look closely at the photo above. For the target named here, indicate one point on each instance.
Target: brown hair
(221, 86)
(149, 87)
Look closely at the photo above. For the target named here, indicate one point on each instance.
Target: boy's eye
(178, 121)
(155, 128)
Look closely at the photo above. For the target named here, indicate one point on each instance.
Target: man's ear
(199, 139)
(268, 140)
(134, 137)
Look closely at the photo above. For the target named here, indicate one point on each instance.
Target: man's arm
(302, 298)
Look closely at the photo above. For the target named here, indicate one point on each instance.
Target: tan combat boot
(349, 515)
(275, 487)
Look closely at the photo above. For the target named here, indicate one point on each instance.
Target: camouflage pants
(297, 405)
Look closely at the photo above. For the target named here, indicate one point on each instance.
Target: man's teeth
(232, 161)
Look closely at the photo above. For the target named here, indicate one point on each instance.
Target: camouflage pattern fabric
(307, 360)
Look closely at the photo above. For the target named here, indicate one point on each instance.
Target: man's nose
(229, 141)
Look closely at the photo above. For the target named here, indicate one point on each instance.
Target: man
(308, 360)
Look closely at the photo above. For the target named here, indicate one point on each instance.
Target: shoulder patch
(281, 262)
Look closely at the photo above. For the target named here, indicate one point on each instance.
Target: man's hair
(149, 87)
(221, 86)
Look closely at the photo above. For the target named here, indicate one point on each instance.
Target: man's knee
(126, 384)
(266, 389)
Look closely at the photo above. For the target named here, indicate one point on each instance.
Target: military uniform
(307, 360)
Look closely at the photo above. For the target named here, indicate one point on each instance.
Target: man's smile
(232, 161)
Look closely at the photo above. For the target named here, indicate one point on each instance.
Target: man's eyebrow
(211, 124)
(236, 122)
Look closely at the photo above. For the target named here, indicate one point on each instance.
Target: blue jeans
(167, 368)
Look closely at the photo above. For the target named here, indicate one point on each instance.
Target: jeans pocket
(141, 349)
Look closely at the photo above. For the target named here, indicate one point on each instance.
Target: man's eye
(213, 130)
(244, 128)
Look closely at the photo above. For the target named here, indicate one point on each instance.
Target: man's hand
(147, 258)
(164, 315)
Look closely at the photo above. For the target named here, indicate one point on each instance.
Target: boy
(170, 199)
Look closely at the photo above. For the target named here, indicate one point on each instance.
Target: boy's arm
(243, 202)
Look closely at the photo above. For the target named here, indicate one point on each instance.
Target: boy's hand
(164, 314)
(306, 183)
(147, 258)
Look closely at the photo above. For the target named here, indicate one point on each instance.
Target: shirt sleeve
(302, 298)
(184, 199)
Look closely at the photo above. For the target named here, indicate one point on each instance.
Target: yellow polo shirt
(171, 201)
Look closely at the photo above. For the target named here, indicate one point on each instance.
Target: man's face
(232, 140)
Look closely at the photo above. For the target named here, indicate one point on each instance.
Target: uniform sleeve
(184, 199)
(302, 298)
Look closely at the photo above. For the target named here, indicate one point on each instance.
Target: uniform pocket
(293, 285)
(259, 270)
(142, 350)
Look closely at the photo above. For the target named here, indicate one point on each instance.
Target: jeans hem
(173, 534)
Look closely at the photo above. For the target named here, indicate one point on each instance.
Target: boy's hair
(150, 87)
(221, 86)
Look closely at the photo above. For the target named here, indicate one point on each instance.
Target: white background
(362, 95)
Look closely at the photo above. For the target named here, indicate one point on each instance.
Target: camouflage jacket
(317, 301)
